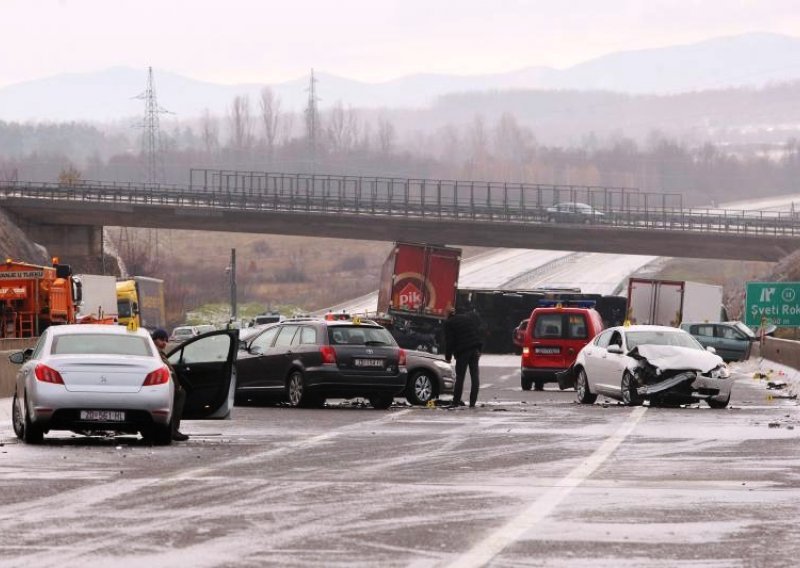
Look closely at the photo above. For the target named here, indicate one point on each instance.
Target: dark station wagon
(310, 360)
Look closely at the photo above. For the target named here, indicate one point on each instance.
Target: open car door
(205, 366)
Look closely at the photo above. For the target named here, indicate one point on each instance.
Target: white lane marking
(483, 552)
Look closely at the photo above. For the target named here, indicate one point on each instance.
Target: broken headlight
(721, 372)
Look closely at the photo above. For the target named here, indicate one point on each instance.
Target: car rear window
(561, 326)
(100, 344)
(359, 335)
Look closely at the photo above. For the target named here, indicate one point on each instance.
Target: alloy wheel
(295, 389)
(423, 388)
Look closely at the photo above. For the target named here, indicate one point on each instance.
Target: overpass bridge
(68, 218)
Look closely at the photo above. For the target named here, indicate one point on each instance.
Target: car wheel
(583, 394)
(629, 395)
(31, 433)
(421, 388)
(296, 391)
(718, 403)
(381, 401)
(538, 385)
(17, 417)
(526, 383)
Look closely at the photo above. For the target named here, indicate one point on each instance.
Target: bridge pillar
(80, 246)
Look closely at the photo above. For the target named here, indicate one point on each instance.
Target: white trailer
(98, 297)
(670, 302)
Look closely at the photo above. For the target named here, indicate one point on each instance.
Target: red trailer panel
(419, 280)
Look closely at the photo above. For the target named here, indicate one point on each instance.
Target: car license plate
(548, 350)
(103, 415)
(368, 363)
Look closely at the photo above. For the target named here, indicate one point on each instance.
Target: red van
(552, 340)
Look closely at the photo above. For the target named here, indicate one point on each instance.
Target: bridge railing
(512, 203)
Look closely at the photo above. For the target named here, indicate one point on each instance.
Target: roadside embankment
(8, 371)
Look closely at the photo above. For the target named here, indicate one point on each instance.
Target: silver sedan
(92, 378)
(647, 362)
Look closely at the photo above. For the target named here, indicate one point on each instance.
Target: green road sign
(775, 303)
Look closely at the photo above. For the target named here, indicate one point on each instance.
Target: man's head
(160, 338)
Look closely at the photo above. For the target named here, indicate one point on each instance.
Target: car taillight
(48, 374)
(526, 351)
(328, 354)
(158, 377)
(401, 357)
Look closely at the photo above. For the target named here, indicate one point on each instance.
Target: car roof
(562, 309)
(73, 329)
(643, 327)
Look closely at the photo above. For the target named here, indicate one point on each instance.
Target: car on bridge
(573, 212)
(307, 360)
(664, 365)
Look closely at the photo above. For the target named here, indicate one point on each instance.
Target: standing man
(160, 338)
(463, 339)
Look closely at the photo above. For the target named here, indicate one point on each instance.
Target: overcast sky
(230, 41)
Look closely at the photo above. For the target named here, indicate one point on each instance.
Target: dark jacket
(462, 332)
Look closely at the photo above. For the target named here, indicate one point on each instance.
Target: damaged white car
(635, 363)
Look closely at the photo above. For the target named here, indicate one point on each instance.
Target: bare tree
(343, 128)
(287, 128)
(270, 117)
(210, 133)
(241, 124)
(478, 160)
(387, 135)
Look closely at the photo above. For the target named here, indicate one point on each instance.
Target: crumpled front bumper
(699, 387)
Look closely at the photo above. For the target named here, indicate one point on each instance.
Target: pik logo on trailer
(410, 297)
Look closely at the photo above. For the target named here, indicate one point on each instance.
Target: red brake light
(401, 357)
(328, 354)
(48, 375)
(158, 377)
(526, 351)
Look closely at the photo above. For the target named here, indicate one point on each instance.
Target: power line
(152, 143)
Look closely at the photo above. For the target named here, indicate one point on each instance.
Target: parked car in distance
(518, 336)
(205, 328)
(182, 333)
(90, 377)
(573, 212)
(429, 376)
(552, 340)
(662, 364)
(265, 318)
(732, 340)
(307, 360)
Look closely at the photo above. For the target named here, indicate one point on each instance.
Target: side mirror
(135, 307)
(17, 358)
(242, 345)
(711, 349)
(615, 349)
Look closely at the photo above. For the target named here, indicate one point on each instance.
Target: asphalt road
(526, 479)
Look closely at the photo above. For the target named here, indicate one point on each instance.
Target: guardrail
(487, 202)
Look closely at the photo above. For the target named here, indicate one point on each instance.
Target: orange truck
(33, 297)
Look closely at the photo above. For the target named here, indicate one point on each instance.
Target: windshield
(675, 338)
(359, 335)
(124, 309)
(744, 329)
(100, 344)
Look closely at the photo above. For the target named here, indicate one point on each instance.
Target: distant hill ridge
(751, 60)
